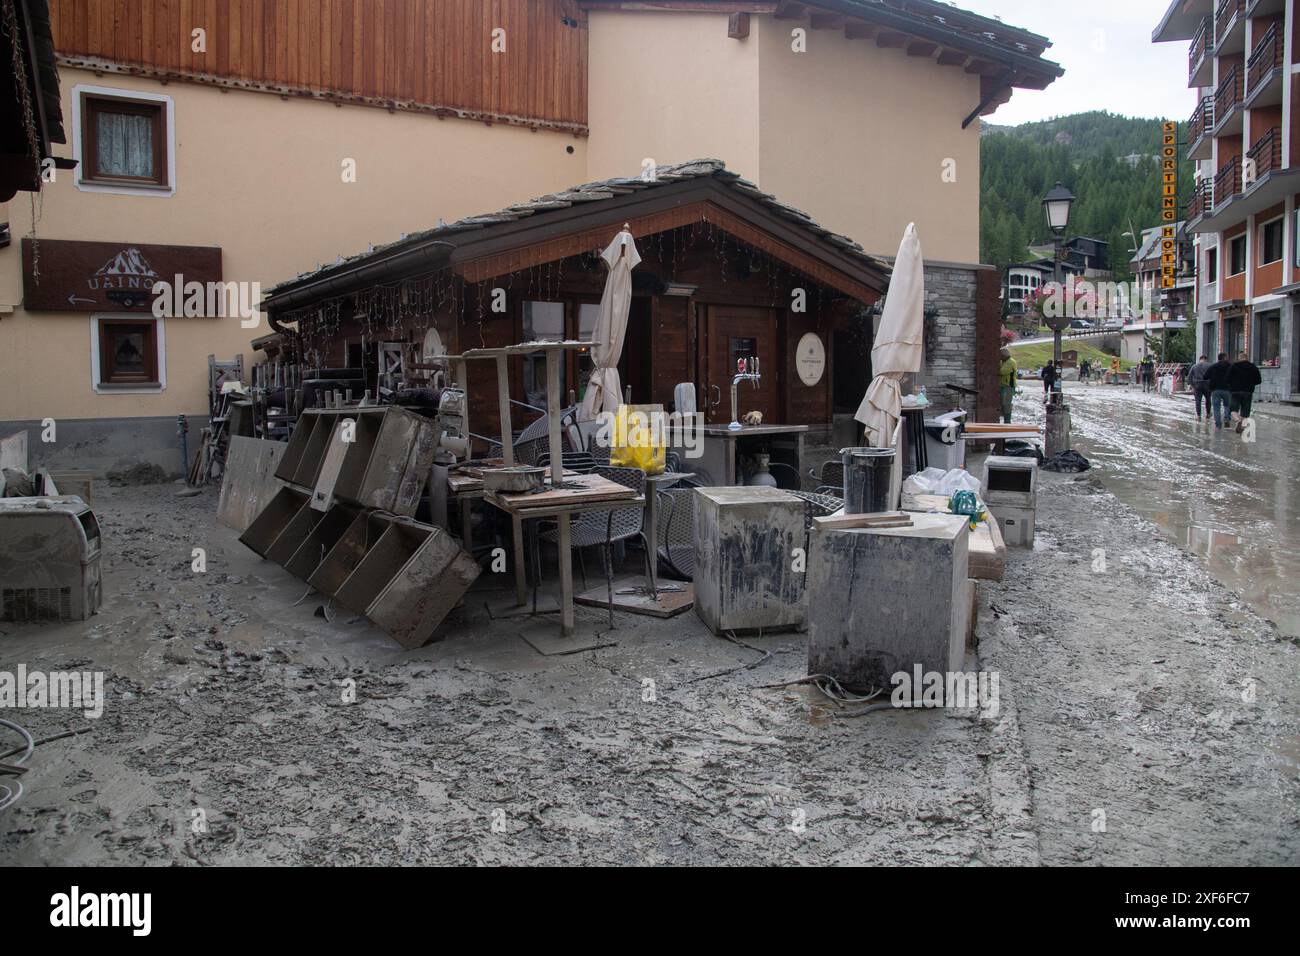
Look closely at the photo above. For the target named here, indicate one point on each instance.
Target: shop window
(1237, 255)
(128, 353)
(1233, 336)
(124, 141)
(1268, 339)
(1270, 242)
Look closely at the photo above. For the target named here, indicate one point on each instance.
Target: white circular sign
(810, 359)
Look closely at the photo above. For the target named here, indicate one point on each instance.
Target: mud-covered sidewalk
(227, 736)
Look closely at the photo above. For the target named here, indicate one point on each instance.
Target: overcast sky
(1109, 59)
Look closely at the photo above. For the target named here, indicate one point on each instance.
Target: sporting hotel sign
(1168, 204)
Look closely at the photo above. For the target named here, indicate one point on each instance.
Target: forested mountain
(1088, 152)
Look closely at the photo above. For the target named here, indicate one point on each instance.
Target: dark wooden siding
(430, 54)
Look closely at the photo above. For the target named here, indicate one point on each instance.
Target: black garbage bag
(1069, 462)
(1015, 448)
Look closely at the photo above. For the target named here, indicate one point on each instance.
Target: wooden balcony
(1264, 69)
(1227, 182)
(1200, 61)
(1227, 98)
(1198, 129)
(1229, 26)
(1266, 153)
(1202, 200)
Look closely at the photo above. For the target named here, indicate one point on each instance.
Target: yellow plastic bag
(638, 439)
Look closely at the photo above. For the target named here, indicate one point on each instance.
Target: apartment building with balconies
(1243, 76)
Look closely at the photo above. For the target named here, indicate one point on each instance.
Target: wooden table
(553, 351)
(595, 493)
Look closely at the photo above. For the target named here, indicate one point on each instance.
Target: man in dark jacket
(1216, 378)
(1200, 387)
(1243, 379)
(1049, 378)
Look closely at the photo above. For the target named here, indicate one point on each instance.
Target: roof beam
(953, 58)
(984, 68)
(790, 11)
(891, 40)
(858, 30)
(738, 26)
(826, 21)
(921, 48)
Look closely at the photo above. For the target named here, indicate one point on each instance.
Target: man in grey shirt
(1198, 378)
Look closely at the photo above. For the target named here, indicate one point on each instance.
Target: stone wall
(951, 307)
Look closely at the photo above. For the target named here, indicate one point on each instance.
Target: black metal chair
(579, 461)
(830, 480)
(605, 528)
(676, 528)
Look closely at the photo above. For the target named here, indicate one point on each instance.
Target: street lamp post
(1056, 204)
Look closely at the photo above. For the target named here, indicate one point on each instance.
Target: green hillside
(1087, 152)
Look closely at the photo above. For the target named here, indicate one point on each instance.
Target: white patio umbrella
(604, 391)
(898, 346)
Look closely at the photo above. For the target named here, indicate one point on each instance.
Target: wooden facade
(404, 54)
(722, 274)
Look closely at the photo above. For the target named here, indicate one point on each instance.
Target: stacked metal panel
(343, 520)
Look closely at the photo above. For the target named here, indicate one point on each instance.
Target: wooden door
(733, 332)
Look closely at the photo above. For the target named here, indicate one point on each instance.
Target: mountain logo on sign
(129, 269)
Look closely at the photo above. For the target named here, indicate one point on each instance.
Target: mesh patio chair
(604, 528)
(830, 480)
(579, 461)
(676, 529)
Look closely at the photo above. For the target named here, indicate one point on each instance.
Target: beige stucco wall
(853, 134)
(262, 178)
(670, 87)
(856, 136)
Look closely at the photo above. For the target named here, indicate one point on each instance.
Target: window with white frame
(1270, 242)
(127, 353)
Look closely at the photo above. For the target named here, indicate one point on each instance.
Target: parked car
(1080, 324)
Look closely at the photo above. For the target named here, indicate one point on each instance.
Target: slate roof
(594, 192)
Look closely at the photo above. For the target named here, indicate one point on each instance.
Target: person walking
(1196, 378)
(1243, 379)
(1048, 375)
(1008, 373)
(1216, 378)
(1085, 370)
(1114, 370)
(1147, 372)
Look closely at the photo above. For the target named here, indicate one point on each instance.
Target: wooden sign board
(61, 275)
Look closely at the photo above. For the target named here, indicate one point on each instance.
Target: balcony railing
(1266, 57)
(1227, 11)
(1266, 153)
(1228, 96)
(1202, 120)
(1202, 200)
(1201, 44)
(1227, 182)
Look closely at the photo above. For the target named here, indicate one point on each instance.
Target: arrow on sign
(74, 299)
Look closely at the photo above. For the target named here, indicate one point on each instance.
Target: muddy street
(228, 734)
(1234, 503)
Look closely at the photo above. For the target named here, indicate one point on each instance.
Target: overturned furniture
(886, 597)
(343, 520)
(49, 559)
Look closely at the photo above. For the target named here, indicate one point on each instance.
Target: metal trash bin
(867, 473)
(49, 559)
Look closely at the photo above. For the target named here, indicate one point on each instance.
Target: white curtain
(124, 144)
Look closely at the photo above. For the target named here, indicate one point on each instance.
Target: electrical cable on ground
(9, 795)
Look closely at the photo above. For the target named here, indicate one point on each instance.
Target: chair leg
(582, 565)
(607, 559)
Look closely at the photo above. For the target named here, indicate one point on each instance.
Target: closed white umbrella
(604, 391)
(898, 346)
